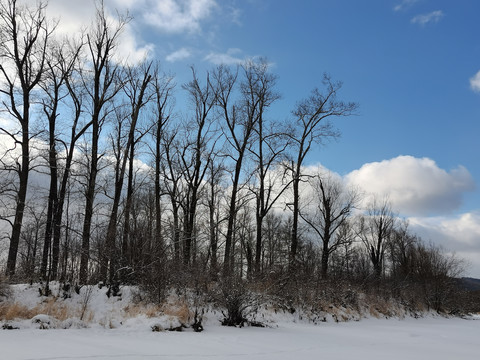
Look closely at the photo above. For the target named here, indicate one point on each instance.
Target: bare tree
(163, 87)
(70, 69)
(24, 39)
(268, 149)
(240, 120)
(171, 171)
(333, 204)
(312, 125)
(197, 148)
(102, 85)
(375, 229)
(135, 88)
(401, 247)
(215, 174)
(59, 67)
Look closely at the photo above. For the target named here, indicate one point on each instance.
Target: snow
(113, 332)
(431, 338)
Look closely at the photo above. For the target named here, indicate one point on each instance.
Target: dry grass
(380, 307)
(55, 309)
(51, 307)
(11, 311)
(180, 311)
(149, 310)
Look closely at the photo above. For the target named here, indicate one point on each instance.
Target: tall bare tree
(137, 81)
(225, 81)
(55, 90)
(240, 120)
(70, 70)
(197, 148)
(102, 84)
(24, 38)
(163, 86)
(269, 146)
(312, 125)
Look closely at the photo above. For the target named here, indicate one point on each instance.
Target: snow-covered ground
(431, 338)
(115, 330)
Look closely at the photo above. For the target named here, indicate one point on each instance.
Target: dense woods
(106, 177)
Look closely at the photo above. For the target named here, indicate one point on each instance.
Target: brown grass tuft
(11, 311)
(149, 310)
(181, 311)
(53, 308)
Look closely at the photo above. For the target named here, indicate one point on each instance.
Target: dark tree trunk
(22, 191)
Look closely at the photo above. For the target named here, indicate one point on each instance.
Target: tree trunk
(89, 199)
(21, 196)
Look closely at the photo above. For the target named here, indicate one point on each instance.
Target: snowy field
(428, 338)
(116, 329)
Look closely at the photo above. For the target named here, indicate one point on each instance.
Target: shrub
(238, 301)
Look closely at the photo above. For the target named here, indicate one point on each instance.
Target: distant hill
(469, 284)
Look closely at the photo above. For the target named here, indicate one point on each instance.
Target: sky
(413, 66)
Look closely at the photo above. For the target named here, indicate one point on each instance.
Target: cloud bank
(460, 233)
(415, 186)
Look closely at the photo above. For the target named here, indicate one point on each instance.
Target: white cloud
(460, 234)
(463, 230)
(433, 17)
(475, 82)
(177, 16)
(75, 16)
(179, 55)
(130, 50)
(405, 4)
(414, 186)
(228, 58)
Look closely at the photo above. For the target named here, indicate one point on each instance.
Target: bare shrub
(239, 302)
(86, 296)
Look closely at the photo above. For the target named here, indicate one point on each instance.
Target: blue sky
(410, 64)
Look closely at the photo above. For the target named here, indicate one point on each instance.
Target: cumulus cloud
(179, 55)
(177, 16)
(74, 17)
(475, 82)
(433, 17)
(415, 186)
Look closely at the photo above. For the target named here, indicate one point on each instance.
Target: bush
(238, 301)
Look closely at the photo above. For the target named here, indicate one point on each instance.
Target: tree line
(141, 192)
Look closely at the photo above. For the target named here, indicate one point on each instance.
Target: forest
(112, 173)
